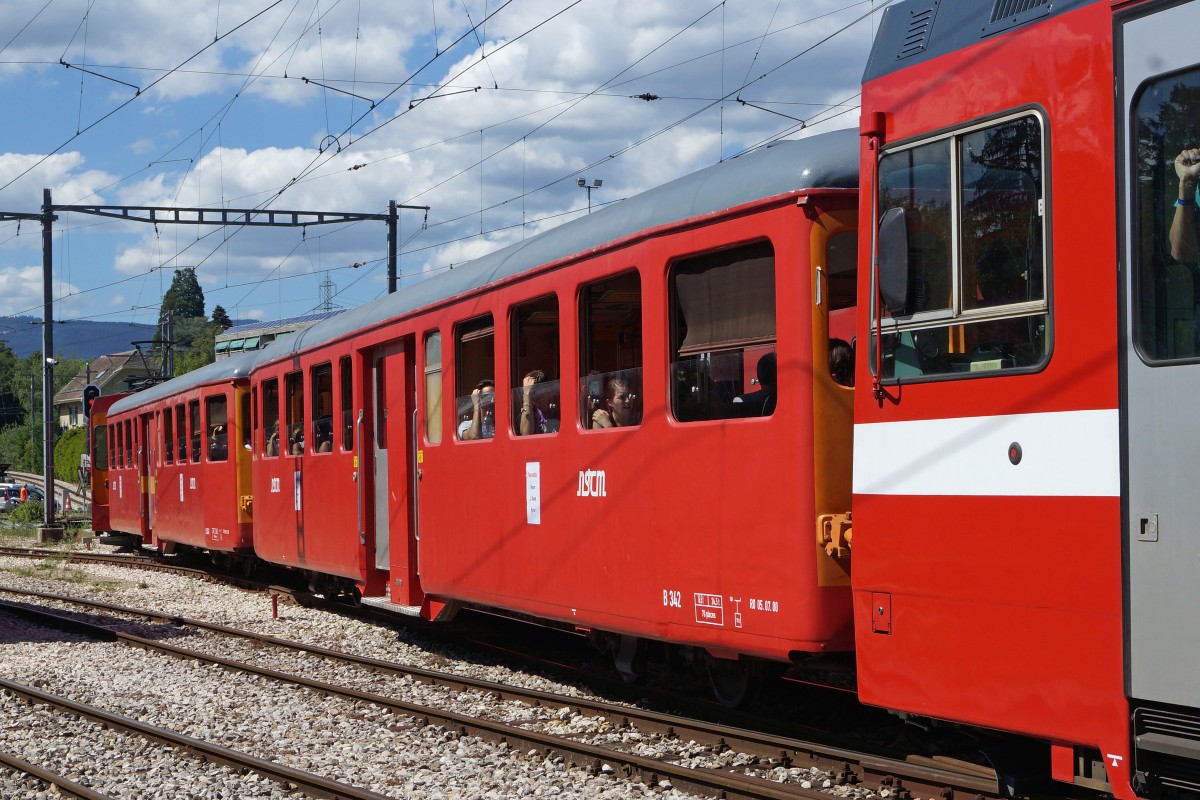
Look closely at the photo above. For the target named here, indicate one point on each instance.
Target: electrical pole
(49, 529)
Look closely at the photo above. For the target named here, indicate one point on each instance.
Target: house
(112, 373)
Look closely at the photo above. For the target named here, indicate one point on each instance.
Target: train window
(321, 377)
(168, 434)
(100, 447)
(347, 384)
(119, 452)
(196, 430)
(1166, 285)
(610, 359)
(976, 269)
(475, 368)
(217, 421)
(293, 404)
(244, 415)
(181, 433)
(270, 416)
(433, 387)
(535, 398)
(723, 334)
(129, 443)
(113, 455)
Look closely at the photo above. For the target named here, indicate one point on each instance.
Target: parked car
(10, 496)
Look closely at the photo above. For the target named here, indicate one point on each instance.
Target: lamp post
(596, 184)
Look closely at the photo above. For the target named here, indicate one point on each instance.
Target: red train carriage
(628, 423)
(179, 468)
(1025, 540)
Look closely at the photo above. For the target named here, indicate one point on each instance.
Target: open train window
(293, 404)
(197, 432)
(347, 386)
(181, 433)
(114, 456)
(969, 297)
(475, 369)
(322, 408)
(244, 424)
(129, 443)
(168, 435)
(270, 416)
(217, 423)
(723, 334)
(433, 387)
(1166, 284)
(610, 358)
(534, 343)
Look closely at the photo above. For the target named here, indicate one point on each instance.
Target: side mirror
(893, 260)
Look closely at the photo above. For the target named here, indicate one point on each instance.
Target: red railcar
(628, 492)
(178, 462)
(1031, 335)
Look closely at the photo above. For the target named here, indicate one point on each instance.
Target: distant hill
(74, 339)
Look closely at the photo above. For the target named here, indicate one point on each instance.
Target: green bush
(70, 445)
(29, 512)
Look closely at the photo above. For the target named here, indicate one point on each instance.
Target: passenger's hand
(1187, 168)
(475, 398)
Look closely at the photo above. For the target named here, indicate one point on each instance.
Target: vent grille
(1175, 766)
(1007, 14)
(1003, 9)
(1184, 724)
(920, 23)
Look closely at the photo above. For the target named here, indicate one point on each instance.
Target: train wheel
(734, 683)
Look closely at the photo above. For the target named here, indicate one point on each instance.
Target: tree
(68, 447)
(185, 298)
(199, 351)
(221, 317)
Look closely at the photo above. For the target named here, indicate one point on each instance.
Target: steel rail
(652, 771)
(928, 774)
(64, 785)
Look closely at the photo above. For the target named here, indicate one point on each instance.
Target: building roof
(274, 324)
(105, 369)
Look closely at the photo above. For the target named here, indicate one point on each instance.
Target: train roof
(913, 31)
(224, 369)
(824, 161)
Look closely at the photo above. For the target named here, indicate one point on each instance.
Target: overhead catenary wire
(525, 192)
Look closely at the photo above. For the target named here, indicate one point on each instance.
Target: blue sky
(488, 111)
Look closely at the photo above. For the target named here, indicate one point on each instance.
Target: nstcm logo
(591, 483)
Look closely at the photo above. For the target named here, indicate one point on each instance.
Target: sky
(489, 112)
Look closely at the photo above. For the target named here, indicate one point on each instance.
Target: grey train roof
(238, 366)
(825, 161)
(913, 31)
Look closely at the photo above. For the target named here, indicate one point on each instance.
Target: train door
(145, 456)
(393, 453)
(1160, 118)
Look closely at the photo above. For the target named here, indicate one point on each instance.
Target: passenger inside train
(841, 362)
(482, 424)
(621, 407)
(761, 401)
(537, 405)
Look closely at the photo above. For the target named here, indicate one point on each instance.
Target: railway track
(37, 776)
(703, 754)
